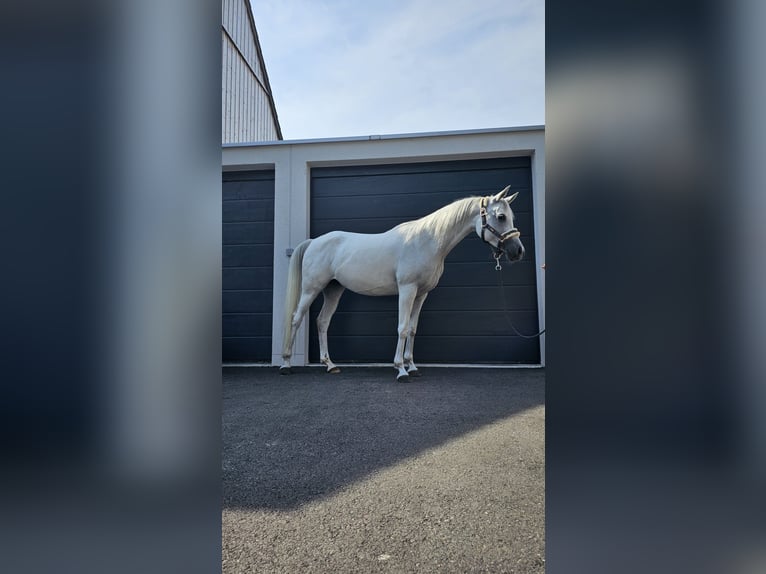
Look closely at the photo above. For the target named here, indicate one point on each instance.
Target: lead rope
(499, 269)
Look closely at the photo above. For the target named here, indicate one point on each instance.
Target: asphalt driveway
(356, 473)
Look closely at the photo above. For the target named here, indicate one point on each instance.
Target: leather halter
(501, 237)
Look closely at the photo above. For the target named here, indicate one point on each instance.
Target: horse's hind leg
(307, 298)
(332, 294)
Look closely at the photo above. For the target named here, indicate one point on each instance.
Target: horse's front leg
(407, 296)
(409, 363)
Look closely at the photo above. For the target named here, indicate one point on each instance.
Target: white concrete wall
(292, 161)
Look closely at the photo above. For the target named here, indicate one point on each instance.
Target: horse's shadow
(291, 440)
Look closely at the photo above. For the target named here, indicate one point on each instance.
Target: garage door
(248, 255)
(462, 319)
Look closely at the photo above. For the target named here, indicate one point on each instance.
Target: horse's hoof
(414, 373)
(285, 371)
(334, 370)
(402, 378)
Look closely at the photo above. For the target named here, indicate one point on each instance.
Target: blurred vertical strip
(747, 44)
(110, 291)
(50, 94)
(655, 286)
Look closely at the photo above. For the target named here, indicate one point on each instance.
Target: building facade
(277, 194)
(248, 111)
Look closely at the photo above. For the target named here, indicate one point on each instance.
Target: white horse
(408, 260)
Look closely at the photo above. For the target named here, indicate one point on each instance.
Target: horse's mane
(441, 221)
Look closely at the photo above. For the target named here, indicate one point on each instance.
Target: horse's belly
(365, 264)
(372, 283)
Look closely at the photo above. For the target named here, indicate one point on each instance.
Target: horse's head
(495, 225)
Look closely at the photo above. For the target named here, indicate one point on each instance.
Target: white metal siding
(247, 113)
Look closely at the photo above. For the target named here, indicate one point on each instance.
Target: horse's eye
(501, 216)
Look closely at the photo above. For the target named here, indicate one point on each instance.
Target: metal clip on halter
(497, 257)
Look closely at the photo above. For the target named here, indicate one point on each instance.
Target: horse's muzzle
(513, 249)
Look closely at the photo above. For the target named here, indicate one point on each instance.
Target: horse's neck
(450, 225)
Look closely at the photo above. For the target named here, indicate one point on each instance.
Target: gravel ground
(356, 473)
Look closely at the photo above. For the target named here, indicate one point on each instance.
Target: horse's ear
(510, 199)
(502, 194)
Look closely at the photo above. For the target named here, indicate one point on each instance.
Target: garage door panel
(258, 233)
(380, 205)
(473, 250)
(523, 201)
(248, 278)
(247, 324)
(449, 299)
(247, 301)
(487, 350)
(524, 222)
(358, 190)
(480, 273)
(248, 185)
(455, 183)
(354, 186)
(466, 305)
(245, 349)
(433, 323)
(400, 208)
(248, 210)
(476, 323)
(247, 274)
(355, 349)
(390, 210)
(247, 255)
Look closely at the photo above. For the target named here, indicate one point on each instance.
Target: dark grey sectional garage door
(248, 256)
(462, 319)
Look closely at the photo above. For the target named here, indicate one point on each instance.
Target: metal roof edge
(513, 129)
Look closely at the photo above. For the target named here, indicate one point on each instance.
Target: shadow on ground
(290, 440)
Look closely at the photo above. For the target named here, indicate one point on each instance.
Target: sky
(371, 67)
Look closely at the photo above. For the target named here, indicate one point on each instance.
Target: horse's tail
(293, 293)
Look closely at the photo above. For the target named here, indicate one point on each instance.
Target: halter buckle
(497, 257)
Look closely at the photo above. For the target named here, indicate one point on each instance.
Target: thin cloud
(357, 68)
